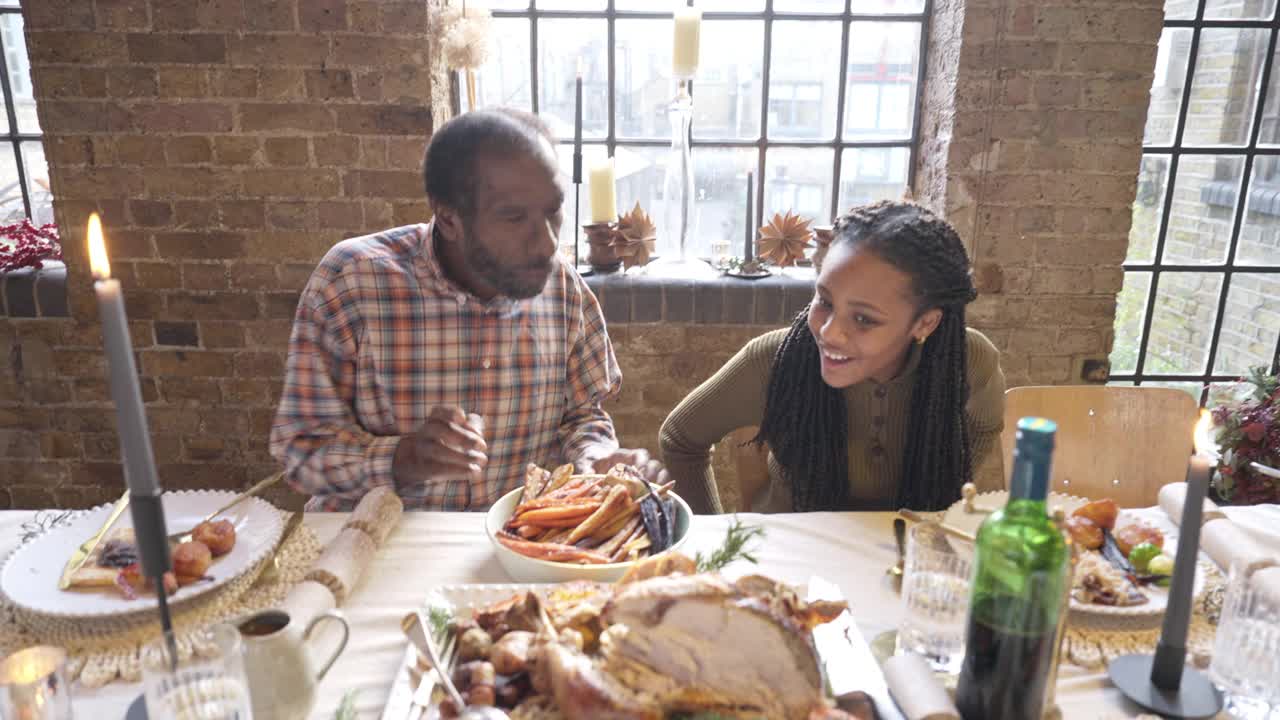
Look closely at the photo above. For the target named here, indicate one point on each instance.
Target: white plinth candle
(604, 203)
(685, 41)
(131, 419)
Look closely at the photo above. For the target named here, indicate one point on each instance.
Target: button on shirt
(381, 335)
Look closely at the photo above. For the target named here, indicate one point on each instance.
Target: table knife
(850, 665)
(87, 547)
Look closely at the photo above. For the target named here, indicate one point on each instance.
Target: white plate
(465, 598)
(30, 575)
(1157, 597)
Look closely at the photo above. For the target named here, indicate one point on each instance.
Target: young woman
(876, 397)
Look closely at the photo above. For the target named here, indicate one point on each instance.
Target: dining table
(431, 549)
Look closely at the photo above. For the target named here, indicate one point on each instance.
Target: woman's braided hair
(806, 422)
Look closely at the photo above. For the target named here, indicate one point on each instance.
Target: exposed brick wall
(1035, 163)
(227, 145)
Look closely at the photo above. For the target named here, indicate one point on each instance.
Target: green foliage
(735, 547)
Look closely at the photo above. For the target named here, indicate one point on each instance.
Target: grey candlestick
(131, 420)
(748, 247)
(1171, 651)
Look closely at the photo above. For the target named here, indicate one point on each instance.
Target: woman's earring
(920, 340)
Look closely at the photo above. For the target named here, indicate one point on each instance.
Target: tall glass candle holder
(677, 186)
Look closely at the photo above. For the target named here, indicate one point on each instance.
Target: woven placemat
(1092, 641)
(106, 650)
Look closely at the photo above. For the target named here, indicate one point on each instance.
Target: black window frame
(15, 138)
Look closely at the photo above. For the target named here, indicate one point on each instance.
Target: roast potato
(1103, 513)
(190, 561)
(219, 536)
(1131, 536)
(1085, 532)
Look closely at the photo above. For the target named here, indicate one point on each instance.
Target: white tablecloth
(428, 549)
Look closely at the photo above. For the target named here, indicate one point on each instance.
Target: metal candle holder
(1162, 683)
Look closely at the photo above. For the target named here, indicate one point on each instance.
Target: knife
(849, 664)
(87, 547)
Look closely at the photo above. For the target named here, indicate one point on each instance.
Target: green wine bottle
(1020, 566)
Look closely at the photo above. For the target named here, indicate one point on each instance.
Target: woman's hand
(651, 469)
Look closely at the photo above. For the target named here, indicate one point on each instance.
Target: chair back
(1123, 443)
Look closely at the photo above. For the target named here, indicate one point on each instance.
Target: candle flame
(99, 265)
(1204, 442)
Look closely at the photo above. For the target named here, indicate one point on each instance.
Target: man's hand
(652, 470)
(447, 446)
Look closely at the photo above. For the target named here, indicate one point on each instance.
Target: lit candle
(748, 247)
(1171, 651)
(135, 441)
(684, 47)
(604, 204)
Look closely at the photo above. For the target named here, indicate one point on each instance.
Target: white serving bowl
(525, 569)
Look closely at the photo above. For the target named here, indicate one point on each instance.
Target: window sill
(694, 293)
(30, 293)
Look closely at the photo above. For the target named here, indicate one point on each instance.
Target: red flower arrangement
(32, 245)
(1249, 432)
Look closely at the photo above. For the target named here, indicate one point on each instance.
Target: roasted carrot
(616, 501)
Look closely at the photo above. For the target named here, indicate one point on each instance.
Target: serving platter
(851, 662)
(30, 575)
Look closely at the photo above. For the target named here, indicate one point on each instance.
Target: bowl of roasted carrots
(566, 526)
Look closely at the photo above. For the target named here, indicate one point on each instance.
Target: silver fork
(425, 680)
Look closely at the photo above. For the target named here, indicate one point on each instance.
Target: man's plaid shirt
(381, 335)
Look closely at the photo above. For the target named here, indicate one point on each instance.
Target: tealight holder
(33, 685)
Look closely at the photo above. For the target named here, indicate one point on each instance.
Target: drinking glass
(33, 685)
(935, 598)
(211, 685)
(1246, 649)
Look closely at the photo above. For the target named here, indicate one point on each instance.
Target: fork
(182, 537)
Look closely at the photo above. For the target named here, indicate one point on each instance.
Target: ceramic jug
(282, 678)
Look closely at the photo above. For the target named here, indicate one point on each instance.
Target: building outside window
(24, 174)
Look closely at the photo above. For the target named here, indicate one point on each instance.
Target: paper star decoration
(784, 239)
(636, 238)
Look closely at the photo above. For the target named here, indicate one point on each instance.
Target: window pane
(1179, 9)
(9, 3)
(1166, 89)
(1130, 312)
(1204, 197)
(640, 171)
(15, 55)
(881, 81)
(1148, 208)
(644, 85)
(1269, 133)
(1225, 86)
(814, 6)
(37, 170)
(571, 4)
(726, 91)
(11, 208)
(1250, 324)
(703, 5)
(1185, 307)
(870, 174)
(1236, 10)
(1259, 242)
(799, 181)
(1190, 388)
(591, 154)
(804, 82)
(562, 44)
(720, 181)
(888, 6)
(504, 78)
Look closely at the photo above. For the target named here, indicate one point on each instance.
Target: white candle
(604, 203)
(684, 47)
(131, 419)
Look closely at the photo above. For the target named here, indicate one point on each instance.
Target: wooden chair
(1123, 443)
(750, 465)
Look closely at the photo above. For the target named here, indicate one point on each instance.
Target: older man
(442, 358)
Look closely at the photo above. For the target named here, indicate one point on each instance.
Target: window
(1201, 297)
(817, 97)
(24, 174)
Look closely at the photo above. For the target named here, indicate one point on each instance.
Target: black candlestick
(153, 547)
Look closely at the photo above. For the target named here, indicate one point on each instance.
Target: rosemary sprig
(347, 708)
(735, 547)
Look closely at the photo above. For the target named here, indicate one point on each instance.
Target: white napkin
(1266, 582)
(1174, 495)
(1227, 544)
(918, 694)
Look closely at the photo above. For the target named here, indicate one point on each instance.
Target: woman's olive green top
(735, 397)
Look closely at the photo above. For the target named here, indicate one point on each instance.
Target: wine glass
(1246, 649)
